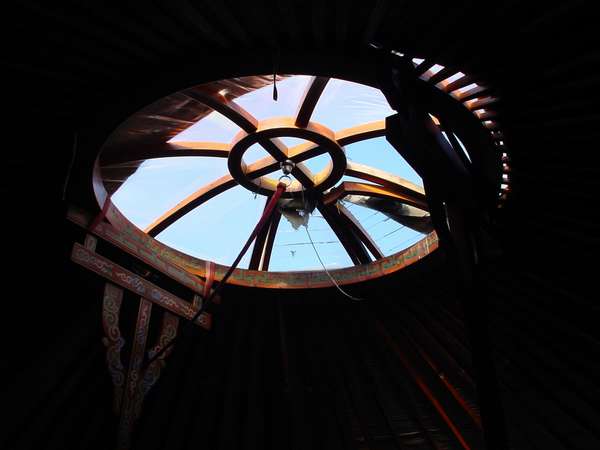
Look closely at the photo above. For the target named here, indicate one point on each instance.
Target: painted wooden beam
(136, 358)
(109, 233)
(136, 284)
(113, 340)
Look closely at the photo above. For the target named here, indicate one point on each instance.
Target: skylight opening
(431, 72)
(417, 61)
(379, 153)
(255, 153)
(260, 102)
(159, 184)
(292, 249)
(218, 229)
(469, 89)
(442, 84)
(213, 127)
(478, 102)
(346, 117)
(344, 104)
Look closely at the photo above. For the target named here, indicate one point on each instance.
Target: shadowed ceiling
(74, 71)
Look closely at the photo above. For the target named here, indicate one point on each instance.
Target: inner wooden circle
(320, 140)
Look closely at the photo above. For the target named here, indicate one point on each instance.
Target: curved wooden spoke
(371, 190)
(275, 147)
(360, 132)
(304, 151)
(358, 254)
(166, 150)
(409, 216)
(303, 175)
(194, 200)
(384, 178)
(240, 117)
(360, 232)
(229, 109)
(309, 100)
(263, 166)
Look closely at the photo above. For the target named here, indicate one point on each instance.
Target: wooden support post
(138, 285)
(168, 332)
(114, 342)
(130, 393)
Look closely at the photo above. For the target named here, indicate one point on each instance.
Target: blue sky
(218, 229)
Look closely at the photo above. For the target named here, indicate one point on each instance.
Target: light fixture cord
(356, 299)
(275, 61)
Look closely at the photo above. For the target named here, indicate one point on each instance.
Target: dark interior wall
(541, 292)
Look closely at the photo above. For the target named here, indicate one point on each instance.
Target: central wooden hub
(320, 140)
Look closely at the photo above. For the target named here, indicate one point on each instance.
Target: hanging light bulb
(287, 166)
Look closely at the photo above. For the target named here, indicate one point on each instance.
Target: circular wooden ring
(321, 139)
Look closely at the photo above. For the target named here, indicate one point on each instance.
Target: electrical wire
(391, 232)
(306, 243)
(356, 299)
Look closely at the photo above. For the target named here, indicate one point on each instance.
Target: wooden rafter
(192, 201)
(461, 82)
(231, 110)
(353, 240)
(353, 188)
(249, 124)
(309, 100)
(441, 75)
(360, 132)
(384, 178)
(166, 150)
(359, 231)
(354, 247)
